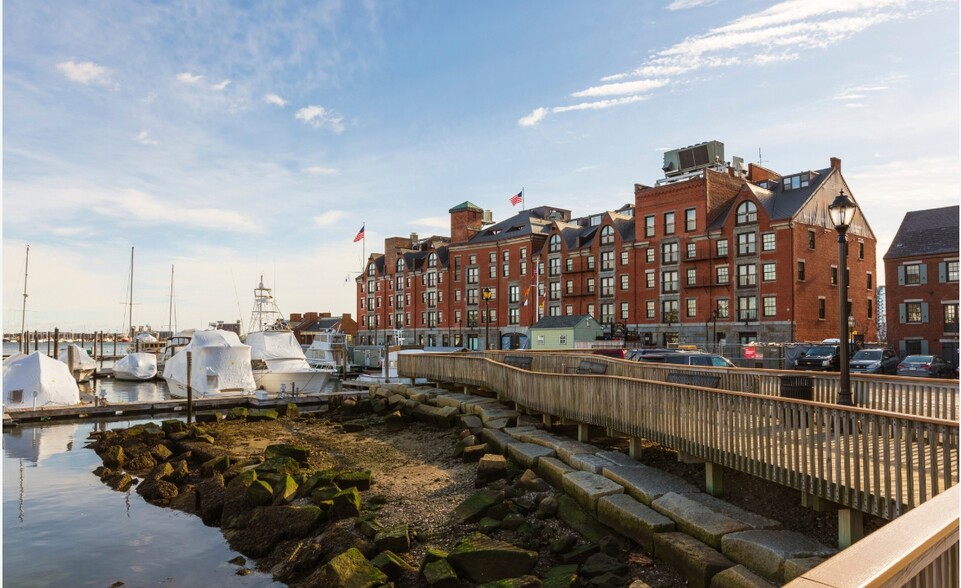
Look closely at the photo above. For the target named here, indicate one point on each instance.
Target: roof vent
(488, 217)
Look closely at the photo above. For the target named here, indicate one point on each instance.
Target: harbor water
(63, 527)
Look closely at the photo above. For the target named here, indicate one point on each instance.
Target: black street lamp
(487, 317)
(842, 213)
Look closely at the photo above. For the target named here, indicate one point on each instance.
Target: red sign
(750, 353)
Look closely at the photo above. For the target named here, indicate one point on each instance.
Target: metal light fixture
(842, 214)
(487, 317)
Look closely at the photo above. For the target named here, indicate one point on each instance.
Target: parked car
(610, 352)
(682, 358)
(822, 358)
(875, 361)
(925, 366)
(638, 354)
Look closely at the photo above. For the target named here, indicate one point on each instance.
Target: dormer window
(554, 245)
(802, 180)
(746, 213)
(432, 260)
(607, 235)
(400, 265)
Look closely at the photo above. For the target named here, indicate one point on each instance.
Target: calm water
(63, 527)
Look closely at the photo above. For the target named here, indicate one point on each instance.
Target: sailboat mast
(130, 298)
(23, 315)
(170, 309)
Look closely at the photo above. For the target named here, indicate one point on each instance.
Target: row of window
(914, 274)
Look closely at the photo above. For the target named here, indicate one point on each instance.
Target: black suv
(822, 358)
(875, 361)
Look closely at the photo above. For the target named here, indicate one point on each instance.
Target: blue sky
(237, 139)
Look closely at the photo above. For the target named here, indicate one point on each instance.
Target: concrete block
(697, 563)
(497, 440)
(553, 470)
(766, 552)
(632, 519)
(526, 454)
(739, 577)
(755, 521)
(795, 568)
(619, 459)
(588, 462)
(645, 483)
(697, 520)
(587, 488)
(569, 448)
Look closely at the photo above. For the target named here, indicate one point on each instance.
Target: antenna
(759, 160)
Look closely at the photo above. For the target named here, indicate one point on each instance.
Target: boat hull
(178, 389)
(300, 382)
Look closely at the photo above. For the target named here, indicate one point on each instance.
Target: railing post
(714, 479)
(850, 527)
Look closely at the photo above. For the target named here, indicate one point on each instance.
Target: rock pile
(535, 518)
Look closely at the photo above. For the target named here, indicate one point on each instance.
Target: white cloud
(318, 117)
(189, 78)
(687, 4)
(432, 222)
(275, 99)
(221, 86)
(85, 72)
(532, 119)
(320, 170)
(621, 89)
(144, 137)
(329, 218)
(774, 35)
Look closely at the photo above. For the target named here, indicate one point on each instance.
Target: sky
(225, 141)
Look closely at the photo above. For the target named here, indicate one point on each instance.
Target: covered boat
(220, 366)
(136, 367)
(278, 360)
(36, 381)
(83, 366)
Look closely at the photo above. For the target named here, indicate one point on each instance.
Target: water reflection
(62, 525)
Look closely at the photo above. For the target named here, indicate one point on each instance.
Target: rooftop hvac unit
(488, 217)
(679, 161)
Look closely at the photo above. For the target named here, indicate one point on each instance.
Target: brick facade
(710, 257)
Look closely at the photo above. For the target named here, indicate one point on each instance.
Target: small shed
(576, 331)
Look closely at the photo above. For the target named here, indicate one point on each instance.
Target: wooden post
(56, 343)
(850, 527)
(71, 359)
(547, 420)
(583, 432)
(714, 479)
(115, 346)
(49, 340)
(190, 388)
(634, 449)
(36, 342)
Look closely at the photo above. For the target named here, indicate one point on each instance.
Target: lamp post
(842, 213)
(487, 318)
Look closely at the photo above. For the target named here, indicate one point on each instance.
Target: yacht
(329, 351)
(277, 359)
(220, 366)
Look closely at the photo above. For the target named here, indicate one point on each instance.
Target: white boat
(172, 346)
(37, 381)
(277, 359)
(328, 351)
(83, 366)
(136, 367)
(220, 366)
(388, 372)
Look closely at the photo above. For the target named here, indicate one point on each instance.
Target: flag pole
(523, 200)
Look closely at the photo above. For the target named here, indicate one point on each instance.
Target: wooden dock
(310, 403)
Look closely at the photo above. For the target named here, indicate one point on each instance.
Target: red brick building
(921, 279)
(710, 253)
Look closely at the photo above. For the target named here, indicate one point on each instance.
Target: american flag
(360, 234)
(517, 198)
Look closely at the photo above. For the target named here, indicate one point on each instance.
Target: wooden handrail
(879, 462)
(918, 549)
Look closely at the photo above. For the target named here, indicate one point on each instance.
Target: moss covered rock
(350, 569)
(482, 559)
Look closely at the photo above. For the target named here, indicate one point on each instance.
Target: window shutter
(924, 273)
(901, 277)
(902, 313)
(924, 312)
(924, 347)
(942, 272)
(902, 347)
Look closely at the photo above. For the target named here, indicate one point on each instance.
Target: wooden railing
(882, 463)
(915, 396)
(919, 549)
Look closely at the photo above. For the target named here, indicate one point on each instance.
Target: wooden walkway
(880, 462)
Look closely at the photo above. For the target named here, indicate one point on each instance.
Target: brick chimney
(465, 221)
(836, 163)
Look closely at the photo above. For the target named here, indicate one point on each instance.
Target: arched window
(607, 235)
(746, 213)
(371, 269)
(554, 244)
(400, 265)
(432, 260)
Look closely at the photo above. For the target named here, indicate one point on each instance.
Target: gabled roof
(777, 202)
(926, 232)
(321, 324)
(524, 223)
(562, 322)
